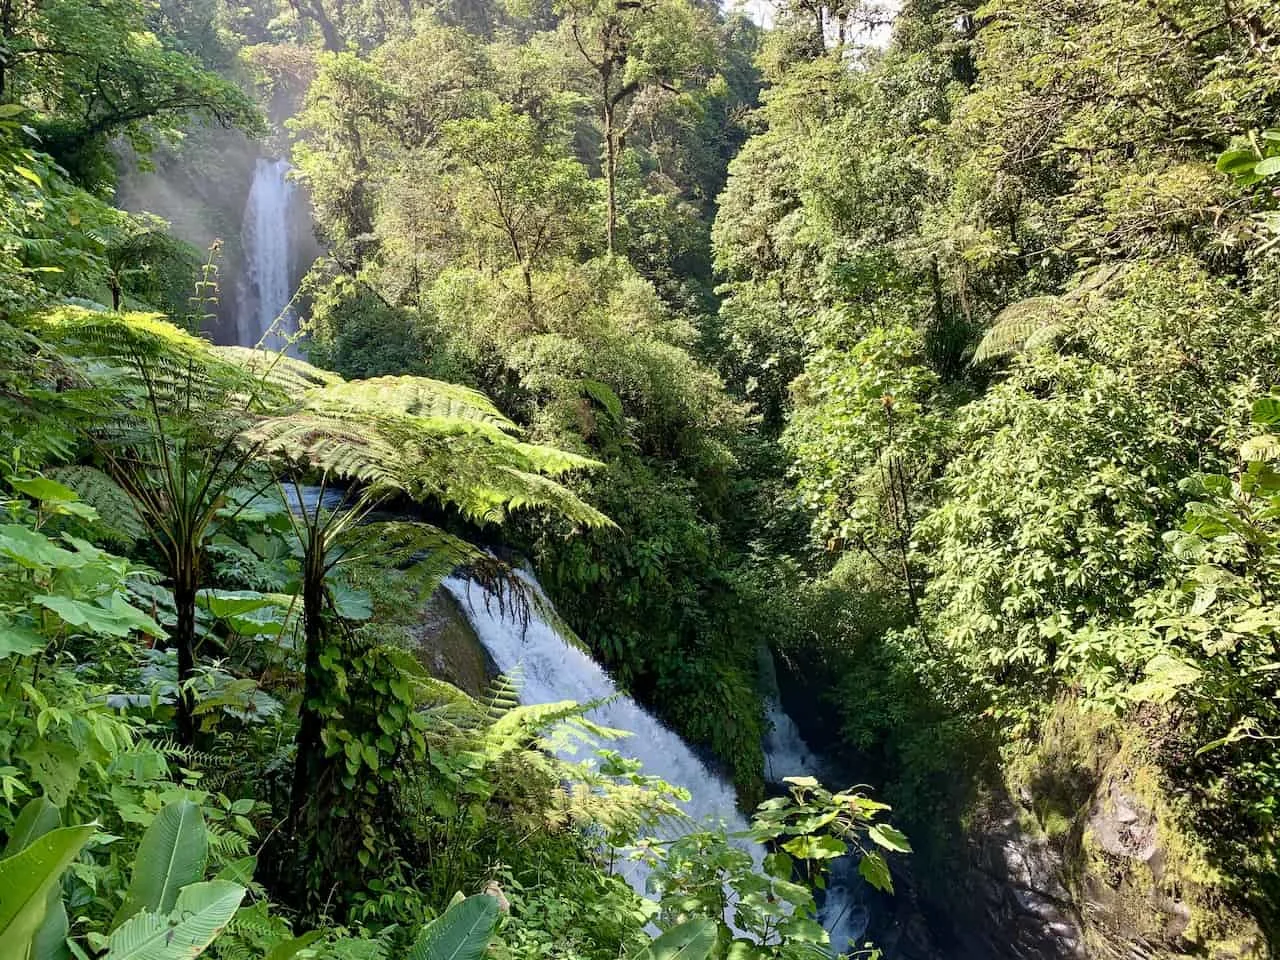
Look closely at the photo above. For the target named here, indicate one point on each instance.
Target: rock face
(448, 647)
(1083, 856)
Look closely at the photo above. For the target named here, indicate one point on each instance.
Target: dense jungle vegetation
(933, 349)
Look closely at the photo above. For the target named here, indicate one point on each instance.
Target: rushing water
(550, 670)
(263, 313)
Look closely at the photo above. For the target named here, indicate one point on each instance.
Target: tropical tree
(635, 52)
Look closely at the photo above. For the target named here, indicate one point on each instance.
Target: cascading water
(551, 670)
(264, 316)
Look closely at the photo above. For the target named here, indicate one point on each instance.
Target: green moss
(1138, 874)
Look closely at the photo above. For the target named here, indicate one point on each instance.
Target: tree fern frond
(1023, 326)
(413, 396)
(1037, 321)
(117, 514)
(295, 377)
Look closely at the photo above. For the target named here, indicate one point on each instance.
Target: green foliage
(461, 933)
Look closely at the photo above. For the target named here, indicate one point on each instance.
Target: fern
(1037, 321)
(117, 514)
(1023, 326)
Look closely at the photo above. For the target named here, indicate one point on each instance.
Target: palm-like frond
(1037, 321)
(424, 554)
(293, 376)
(413, 396)
(469, 464)
(1023, 326)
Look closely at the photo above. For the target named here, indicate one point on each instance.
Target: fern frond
(293, 376)
(1037, 321)
(1024, 325)
(117, 516)
(413, 396)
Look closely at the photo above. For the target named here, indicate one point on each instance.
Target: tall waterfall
(267, 282)
(550, 670)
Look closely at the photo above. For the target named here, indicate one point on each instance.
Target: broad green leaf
(875, 871)
(1268, 167)
(199, 914)
(173, 853)
(118, 622)
(42, 488)
(37, 818)
(889, 837)
(691, 940)
(805, 782)
(461, 933)
(27, 879)
(815, 848)
(1165, 677)
(16, 641)
(351, 604)
(50, 942)
(230, 603)
(291, 948)
(11, 109)
(1266, 410)
(34, 550)
(1237, 161)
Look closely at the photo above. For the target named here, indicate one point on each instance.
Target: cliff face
(1084, 855)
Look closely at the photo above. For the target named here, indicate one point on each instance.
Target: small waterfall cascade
(550, 670)
(841, 912)
(267, 282)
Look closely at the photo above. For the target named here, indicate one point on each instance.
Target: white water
(263, 314)
(550, 670)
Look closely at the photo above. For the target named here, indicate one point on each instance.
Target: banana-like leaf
(26, 880)
(50, 942)
(691, 940)
(461, 933)
(37, 818)
(173, 853)
(199, 914)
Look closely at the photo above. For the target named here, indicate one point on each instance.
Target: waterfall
(840, 910)
(550, 670)
(267, 282)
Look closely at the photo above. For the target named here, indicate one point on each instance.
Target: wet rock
(447, 646)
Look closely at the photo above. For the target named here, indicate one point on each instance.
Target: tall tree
(635, 50)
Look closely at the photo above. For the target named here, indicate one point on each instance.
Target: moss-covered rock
(1093, 799)
(448, 647)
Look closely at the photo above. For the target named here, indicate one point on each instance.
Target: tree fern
(1037, 321)
(117, 514)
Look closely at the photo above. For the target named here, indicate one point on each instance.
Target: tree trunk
(307, 763)
(610, 176)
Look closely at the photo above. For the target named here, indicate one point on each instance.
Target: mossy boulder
(1137, 880)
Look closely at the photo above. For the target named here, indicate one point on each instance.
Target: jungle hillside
(646, 479)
